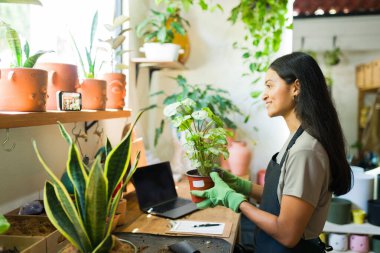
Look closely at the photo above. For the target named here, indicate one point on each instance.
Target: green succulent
(21, 56)
(83, 221)
(206, 138)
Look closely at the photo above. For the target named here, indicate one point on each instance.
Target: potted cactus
(22, 87)
(86, 221)
(205, 140)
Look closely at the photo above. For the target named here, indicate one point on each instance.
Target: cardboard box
(376, 73)
(25, 244)
(360, 82)
(53, 239)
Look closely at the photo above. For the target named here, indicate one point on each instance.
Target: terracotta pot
(122, 210)
(23, 89)
(115, 222)
(61, 77)
(115, 90)
(198, 182)
(94, 94)
(240, 158)
(261, 177)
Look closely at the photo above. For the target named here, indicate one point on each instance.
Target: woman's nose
(264, 95)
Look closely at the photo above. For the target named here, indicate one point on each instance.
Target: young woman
(302, 177)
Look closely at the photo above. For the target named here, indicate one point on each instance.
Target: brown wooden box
(25, 244)
(376, 73)
(360, 82)
(368, 75)
(53, 239)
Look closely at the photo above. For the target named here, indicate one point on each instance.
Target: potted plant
(158, 34)
(94, 91)
(4, 224)
(205, 140)
(116, 80)
(86, 221)
(22, 88)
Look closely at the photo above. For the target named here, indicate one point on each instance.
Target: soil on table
(29, 226)
(119, 247)
(14, 250)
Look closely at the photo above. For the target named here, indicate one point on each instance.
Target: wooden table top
(138, 221)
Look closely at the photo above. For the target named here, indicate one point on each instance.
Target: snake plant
(19, 53)
(83, 221)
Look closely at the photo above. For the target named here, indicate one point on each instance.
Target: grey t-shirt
(306, 175)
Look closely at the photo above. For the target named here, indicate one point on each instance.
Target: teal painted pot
(339, 211)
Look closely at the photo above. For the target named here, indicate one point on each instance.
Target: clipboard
(186, 227)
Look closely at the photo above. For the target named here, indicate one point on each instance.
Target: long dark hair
(317, 113)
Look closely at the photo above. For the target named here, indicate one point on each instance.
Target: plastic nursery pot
(339, 211)
(198, 182)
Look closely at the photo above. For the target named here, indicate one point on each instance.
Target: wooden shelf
(352, 228)
(28, 119)
(143, 62)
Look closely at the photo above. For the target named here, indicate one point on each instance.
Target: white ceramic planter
(161, 52)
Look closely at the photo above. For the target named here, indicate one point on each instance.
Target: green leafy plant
(36, 2)
(21, 56)
(204, 134)
(186, 4)
(116, 40)
(264, 22)
(161, 26)
(84, 221)
(89, 69)
(4, 224)
(332, 57)
(204, 96)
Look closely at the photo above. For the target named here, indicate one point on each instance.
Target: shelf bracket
(88, 125)
(152, 69)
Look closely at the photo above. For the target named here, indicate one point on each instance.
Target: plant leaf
(64, 133)
(96, 203)
(94, 26)
(14, 44)
(105, 246)
(31, 61)
(118, 21)
(118, 41)
(79, 55)
(35, 2)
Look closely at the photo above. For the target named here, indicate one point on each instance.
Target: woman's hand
(220, 194)
(238, 184)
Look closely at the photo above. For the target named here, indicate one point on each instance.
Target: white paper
(186, 226)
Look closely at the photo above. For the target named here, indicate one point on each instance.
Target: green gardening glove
(4, 224)
(220, 194)
(238, 184)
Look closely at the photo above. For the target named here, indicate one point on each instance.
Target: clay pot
(240, 158)
(198, 182)
(94, 94)
(115, 90)
(23, 89)
(61, 77)
(122, 210)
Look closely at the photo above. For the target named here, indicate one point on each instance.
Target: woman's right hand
(238, 184)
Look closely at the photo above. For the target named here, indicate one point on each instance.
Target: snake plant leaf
(64, 133)
(79, 54)
(65, 200)
(96, 201)
(78, 177)
(105, 245)
(29, 63)
(14, 44)
(26, 50)
(91, 67)
(36, 2)
(108, 146)
(118, 159)
(59, 218)
(94, 25)
(111, 207)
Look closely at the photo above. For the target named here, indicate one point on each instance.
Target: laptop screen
(154, 184)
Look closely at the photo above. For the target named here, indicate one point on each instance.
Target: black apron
(269, 203)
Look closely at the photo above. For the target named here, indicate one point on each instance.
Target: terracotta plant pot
(94, 94)
(240, 158)
(122, 210)
(198, 182)
(23, 89)
(115, 90)
(61, 77)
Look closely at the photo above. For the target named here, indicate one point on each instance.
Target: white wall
(358, 37)
(213, 60)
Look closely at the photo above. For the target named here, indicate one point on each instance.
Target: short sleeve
(305, 175)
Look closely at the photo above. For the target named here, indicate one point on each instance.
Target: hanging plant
(264, 22)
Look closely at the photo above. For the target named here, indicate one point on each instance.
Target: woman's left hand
(220, 194)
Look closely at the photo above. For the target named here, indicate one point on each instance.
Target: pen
(206, 225)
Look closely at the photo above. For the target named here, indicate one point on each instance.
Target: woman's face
(278, 96)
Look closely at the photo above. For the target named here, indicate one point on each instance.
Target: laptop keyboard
(170, 205)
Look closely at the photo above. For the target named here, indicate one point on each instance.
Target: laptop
(156, 192)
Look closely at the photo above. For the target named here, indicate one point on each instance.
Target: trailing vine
(264, 21)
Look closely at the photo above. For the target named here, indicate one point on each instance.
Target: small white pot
(161, 52)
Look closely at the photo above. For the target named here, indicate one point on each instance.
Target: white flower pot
(161, 52)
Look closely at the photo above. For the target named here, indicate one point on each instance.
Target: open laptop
(156, 192)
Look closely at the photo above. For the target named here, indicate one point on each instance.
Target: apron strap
(291, 143)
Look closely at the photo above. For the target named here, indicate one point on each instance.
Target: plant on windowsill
(22, 88)
(205, 139)
(36, 2)
(94, 91)
(86, 221)
(158, 31)
(116, 80)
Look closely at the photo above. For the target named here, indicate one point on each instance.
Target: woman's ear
(296, 87)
